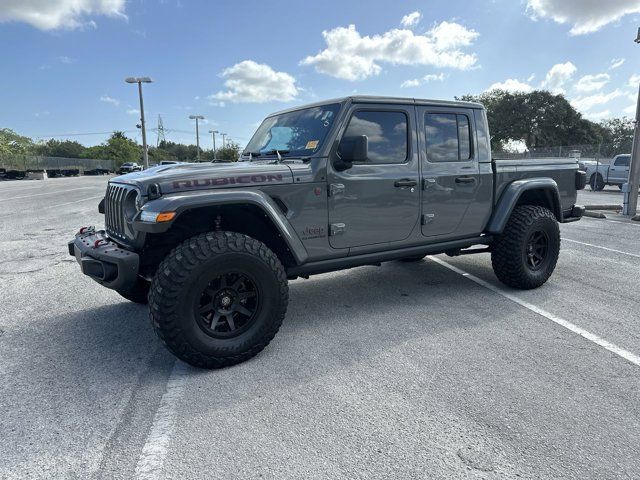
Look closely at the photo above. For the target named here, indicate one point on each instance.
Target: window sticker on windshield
(311, 144)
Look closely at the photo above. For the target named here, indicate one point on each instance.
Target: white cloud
(531, 77)
(511, 85)
(600, 115)
(59, 14)
(133, 111)
(411, 19)
(591, 83)
(634, 80)
(253, 82)
(67, 60)
(558, 76)
(430, 77)
(585, 16)
(351, 56)
(617, 62)
(630, 110)
(585, 104)
(111, 100)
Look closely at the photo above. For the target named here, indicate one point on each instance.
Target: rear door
(450, 172)
(619, 169)
(376, 201)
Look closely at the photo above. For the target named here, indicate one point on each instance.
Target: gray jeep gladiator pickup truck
(323, 187)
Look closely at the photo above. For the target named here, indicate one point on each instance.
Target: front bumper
(104, 260)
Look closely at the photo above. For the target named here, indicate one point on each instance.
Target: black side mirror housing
(352, 149)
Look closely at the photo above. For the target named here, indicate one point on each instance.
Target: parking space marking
(48, 193)
(75, 201)
(621, 352)
(601, 248)
(156, 446)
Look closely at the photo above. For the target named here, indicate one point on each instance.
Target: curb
(594, 214)
(603, 207)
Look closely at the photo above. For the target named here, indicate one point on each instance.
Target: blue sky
(64, 61)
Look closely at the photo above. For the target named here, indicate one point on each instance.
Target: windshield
(296, 133)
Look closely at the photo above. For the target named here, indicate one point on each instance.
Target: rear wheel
(218, 299)
(526, 253)
(597, 182)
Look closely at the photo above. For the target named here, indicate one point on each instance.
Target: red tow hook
(87, 230)
(100, 243)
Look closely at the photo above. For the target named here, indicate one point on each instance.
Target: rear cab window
(448, 137)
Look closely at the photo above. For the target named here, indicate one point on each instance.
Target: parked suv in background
(129, 167)
(329, 186)
(616, 173)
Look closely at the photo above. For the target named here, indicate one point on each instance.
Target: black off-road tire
(138, 293)
(177, 288)
(415, 258)
(509, 255)
(596, 182)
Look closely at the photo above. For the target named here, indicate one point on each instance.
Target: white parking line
(601, 248)
(48, 193)
(621, 352)
(156, 446)
(75, 201)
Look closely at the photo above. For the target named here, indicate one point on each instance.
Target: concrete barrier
(37, 175)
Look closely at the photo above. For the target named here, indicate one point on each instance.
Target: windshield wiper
(252, 154)
(277, 152)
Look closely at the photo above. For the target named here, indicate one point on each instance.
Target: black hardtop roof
(383, 99)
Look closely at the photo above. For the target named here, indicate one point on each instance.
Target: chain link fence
(601, 153)
(18, 166)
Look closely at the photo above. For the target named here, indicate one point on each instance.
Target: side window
(622, 161)
(386, 132)
(448, 137)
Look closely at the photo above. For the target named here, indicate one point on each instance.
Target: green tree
(618, 136)
(539, 118)
(11, 143)
(60, 148)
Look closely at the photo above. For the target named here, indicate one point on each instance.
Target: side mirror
(352, 149)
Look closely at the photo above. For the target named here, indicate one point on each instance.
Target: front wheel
(526, 253)
(218, 299)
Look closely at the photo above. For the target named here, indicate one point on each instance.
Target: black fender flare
(512, 193)
(183, 202)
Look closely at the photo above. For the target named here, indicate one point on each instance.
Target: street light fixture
(196, 118)
(213, 132)
(140, 81)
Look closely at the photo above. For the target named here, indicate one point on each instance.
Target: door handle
(405, 182)
(465, 180)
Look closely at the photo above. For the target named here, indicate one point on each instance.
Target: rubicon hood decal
(199, 176)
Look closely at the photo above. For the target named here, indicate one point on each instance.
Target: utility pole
(160, 138)
(140, 81)
(213, 132)
(630, 189)
(196, 118)
(224, 136)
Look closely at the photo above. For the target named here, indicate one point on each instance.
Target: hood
(203, 176)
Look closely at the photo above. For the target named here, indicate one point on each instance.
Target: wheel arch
(542, 192)
(250, 212)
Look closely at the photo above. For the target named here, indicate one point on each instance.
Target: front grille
(114, 211)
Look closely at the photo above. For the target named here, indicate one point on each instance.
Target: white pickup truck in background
(616, 173)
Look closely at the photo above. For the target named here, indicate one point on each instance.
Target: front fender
(181, 203)
(512, 193)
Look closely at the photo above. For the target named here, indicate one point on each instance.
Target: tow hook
(84, 230)
(100, 242)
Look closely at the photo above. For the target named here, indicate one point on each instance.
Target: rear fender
(547, 187)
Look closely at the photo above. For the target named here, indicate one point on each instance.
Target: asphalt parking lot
(425, 370)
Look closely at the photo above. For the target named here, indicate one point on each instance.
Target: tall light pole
(213, 132)
(196, 118)
(140, 81)
(630, 202)
(224, 136)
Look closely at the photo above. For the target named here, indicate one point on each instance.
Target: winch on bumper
(104, 260)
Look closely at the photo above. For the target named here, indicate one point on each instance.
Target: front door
(377, 200)
(450, 172)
